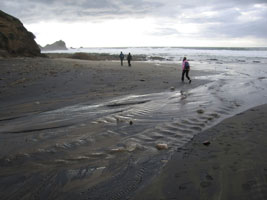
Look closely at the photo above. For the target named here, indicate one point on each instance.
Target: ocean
(209, 55)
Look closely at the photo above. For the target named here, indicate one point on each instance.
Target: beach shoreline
(95, 124)
(51, 118)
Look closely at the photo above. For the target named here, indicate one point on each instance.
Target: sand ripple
(110, 138)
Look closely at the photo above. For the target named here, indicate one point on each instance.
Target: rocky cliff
(15, 40)
(58, 45)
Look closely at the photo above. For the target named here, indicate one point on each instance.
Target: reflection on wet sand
(108, 150)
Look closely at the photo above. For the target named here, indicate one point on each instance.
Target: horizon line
(117, 47)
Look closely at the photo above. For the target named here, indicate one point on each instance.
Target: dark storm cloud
(228, 18)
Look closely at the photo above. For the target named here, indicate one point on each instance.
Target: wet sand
(63, 135)
(76, 129)
(233, 166)
(44, 84)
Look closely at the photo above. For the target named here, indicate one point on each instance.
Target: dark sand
(62, 158)
(40, 84)
(233, 166)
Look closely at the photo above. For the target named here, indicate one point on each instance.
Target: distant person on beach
(129, 58)
(186, 69)
(121, 57)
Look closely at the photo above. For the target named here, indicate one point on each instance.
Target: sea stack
(15, 39)
(58, 45)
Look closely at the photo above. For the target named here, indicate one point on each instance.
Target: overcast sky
(118, 23)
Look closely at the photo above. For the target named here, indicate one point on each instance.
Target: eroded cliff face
(15, 40)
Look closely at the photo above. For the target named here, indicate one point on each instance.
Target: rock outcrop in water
(15, 39)
(58, 45)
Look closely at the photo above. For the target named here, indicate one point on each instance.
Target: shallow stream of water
(109, 149)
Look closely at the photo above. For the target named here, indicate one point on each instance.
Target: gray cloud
(234, 30)
(225, 21)
(233, 22)
(36, 10)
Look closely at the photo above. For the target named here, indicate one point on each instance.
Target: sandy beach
(50, 83)
(80, 129)
(232, 166)
(48, 127)
(77, 124)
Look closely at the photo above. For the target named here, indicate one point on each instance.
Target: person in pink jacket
(186, 69)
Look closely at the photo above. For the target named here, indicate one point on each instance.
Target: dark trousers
(129, 63)
(121, 62)
(186, 72)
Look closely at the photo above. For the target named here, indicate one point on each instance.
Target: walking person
(186, 69)
(121, 57)
(129, 58)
